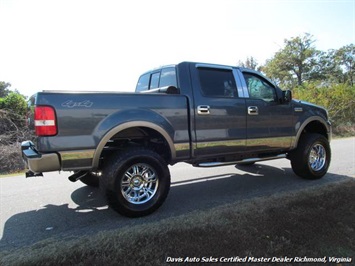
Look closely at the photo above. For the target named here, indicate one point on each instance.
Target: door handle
(203, 110)
(253, 110)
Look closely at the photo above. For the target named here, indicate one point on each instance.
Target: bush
(12, 132)
(10, 159)
(14, 102)
(338, 99)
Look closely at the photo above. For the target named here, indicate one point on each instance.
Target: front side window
(217, 82)
(259, 88)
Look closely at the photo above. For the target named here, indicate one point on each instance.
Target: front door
(269, 122)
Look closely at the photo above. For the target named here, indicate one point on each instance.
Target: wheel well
(134, 137)
(315, 127)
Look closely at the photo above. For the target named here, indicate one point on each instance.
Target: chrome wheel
(311, 159)
(139, 184)
(317, 157)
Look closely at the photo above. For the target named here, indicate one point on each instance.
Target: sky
(105, 45)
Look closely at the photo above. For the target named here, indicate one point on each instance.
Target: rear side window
(217, 82)
(157, 79)
(168, 77)
(154, 81)
(143, 83)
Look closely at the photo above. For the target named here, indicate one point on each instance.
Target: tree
(345, 57)
(297, 62)
(250, 62)
(4, 91)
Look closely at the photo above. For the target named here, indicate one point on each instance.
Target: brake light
(45, 121)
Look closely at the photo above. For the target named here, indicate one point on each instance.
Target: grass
(313, 223)
(13, 174)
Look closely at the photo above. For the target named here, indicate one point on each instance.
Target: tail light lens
(45, 121)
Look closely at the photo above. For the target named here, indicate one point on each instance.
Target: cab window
(168, 77)
(158, 79)
(217, 82)
(154, 81)
(143, 83)
(259, 88)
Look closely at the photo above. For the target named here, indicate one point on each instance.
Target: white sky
(105, 45)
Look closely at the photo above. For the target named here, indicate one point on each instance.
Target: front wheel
(136, 182)
(311, 159)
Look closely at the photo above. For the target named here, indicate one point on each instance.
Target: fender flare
(127, 125)
(300, 128)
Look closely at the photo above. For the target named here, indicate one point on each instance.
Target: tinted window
(154, 81)
(143, 83)
(168, 77)
(217, 82)
(259, 88)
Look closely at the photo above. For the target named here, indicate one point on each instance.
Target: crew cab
(203, 114)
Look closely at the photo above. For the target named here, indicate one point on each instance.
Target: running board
(250, 160)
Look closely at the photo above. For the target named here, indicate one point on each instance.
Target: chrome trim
(243, 84)
(78, 159)
(253, 110)
(203, 110)
(240, 89)
(225, 143)
(37, 162)
(45, 163)
(298, 109)
(271, 142)
(77, 155)
(214, 66)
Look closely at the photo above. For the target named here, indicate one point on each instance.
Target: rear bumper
(37, 162)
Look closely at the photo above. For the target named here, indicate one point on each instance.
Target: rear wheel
(311, 159)
(136, 182)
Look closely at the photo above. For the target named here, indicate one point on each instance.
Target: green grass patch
(13, 174)
(315, 223)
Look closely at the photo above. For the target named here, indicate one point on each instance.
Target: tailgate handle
(253, 110)
(203, 110)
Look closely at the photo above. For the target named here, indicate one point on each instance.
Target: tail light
(45, 121)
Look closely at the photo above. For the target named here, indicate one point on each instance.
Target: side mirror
(286, 96)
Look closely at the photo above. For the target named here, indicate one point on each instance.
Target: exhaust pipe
(77, 175)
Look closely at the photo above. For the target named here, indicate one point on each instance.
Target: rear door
(220, 113)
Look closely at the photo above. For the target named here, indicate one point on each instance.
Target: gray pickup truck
(203, 114)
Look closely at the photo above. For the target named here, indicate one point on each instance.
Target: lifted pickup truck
(203, 114)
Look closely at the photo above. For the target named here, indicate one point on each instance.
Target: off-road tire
(136, 181)
(311, 159)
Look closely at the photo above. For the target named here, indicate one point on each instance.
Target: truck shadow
(88, 212)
